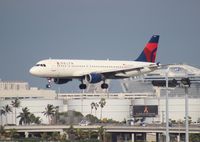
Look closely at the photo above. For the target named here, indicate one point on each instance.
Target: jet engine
(94, 77)
(61, 80)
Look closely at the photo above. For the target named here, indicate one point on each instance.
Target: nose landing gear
(49, 83)
(82, 86)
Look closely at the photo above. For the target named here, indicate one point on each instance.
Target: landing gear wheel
(104, 86)
(48, 86)
(82, 86)
(49, 83)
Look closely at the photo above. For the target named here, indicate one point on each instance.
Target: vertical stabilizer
(149, 52)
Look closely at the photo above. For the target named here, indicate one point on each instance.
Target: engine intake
(61, 80)
(94, 77)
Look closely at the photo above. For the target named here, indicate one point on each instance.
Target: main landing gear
(84, 86)
(81, 86)
(104, 86)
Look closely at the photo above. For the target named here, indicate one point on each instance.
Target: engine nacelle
(61, 80)
(94, 77)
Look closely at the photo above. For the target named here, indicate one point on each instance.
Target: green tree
(34, 119)
(13, 134)
(24, 116)
(2, 112)
(16, 104)
(79, 134)
(102, 103)
(37, 120)
(96, 105)
(2, 131)
(101, 133)
(56, 136)
(56, 114)
(44, 136)
(194, 138)
(49, 112)
(92, 118)
(92, 134)
(71, 132)
(189, 119)
(7, 110)
(92, 106)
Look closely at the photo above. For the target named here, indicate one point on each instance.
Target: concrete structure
(10, 90)
(118, 105)
(118, 133)
(33, 98)
(116, 109)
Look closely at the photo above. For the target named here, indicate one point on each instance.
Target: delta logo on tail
(149, 52)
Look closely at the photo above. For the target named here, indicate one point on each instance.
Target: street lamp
(166, 83)
(185, 83)
(167, 106)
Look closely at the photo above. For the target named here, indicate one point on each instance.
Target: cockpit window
(41, 65)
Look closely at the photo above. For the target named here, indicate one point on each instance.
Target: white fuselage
(56, 68)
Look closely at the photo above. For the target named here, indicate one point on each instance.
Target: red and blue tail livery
(149, 52)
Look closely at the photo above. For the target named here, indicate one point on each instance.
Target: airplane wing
(113, 73)
(123, 71)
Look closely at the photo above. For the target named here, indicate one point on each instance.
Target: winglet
(149, 52)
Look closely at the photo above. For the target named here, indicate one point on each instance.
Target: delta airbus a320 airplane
(61, 71)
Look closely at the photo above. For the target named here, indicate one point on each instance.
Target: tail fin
(149, 52)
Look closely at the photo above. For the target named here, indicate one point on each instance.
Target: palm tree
(34, 119)
(96, 105)
(24, 116)
(16, 104)
(37, 120)
(102, 103)
(92, 106)
(56, 114)
(2, 112)
(2, 131)
(7, 110)
(49, 112)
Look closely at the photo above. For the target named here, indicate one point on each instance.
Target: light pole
(186, 116)
(185, 83)
(166, 107)
(166, 83)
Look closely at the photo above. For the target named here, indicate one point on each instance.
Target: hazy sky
(31, 30)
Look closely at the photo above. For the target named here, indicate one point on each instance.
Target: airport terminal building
(139, 99)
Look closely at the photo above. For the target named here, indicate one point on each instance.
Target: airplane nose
(32, 71)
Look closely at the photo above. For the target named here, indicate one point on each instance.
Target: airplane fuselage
(53, 68)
